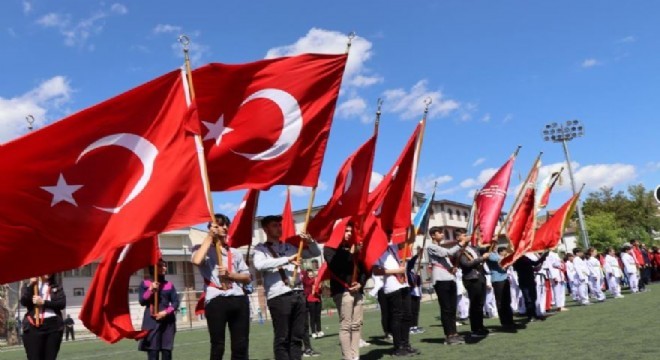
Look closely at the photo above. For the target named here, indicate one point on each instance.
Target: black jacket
(472, 267)
(57, 303)
(340, 265)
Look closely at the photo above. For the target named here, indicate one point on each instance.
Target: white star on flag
(216, 130)
(62, 191)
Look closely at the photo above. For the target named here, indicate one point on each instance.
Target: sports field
(626, 328)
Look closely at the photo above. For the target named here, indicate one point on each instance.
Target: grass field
(626, 328)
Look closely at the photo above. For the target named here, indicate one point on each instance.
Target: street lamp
(563, 133)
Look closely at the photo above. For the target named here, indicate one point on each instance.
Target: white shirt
(612, 266)
(554, 267)
(378, 284)
(594, 268)
(44, 292)
(581, 269)
(570, 269)
(391, 283)
(629, 263)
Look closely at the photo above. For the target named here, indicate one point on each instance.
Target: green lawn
(626, 328)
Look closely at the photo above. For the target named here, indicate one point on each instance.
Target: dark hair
(435, 229)
(266, 220)
(591, 249)
(459, 231)
(151, 267)
(220, 219)
(576, 250)
(351, 224)
(634, 241)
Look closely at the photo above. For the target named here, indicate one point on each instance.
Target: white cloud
(333, 42)
(471, 193)
(376, 178)
(27, 7)
(118, 8)
(228, 207)
(425, 183)
(468, 183)
(481, 179)
(352, 107)
(39, 102)
(591, 62)
(78, 33)
(627, 39)
(507, 118)
(166, 28)
(486, 118)
(599, 175)
(304, 190)
(197, 50)
(478, 162)
(410, 104)
(653, 165)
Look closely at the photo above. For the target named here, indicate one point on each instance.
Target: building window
(133, 290)
(78, 291)
(171, 268)
(85, 271)
(451, 214)
(466, 215)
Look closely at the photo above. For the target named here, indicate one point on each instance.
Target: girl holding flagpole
(43, 325)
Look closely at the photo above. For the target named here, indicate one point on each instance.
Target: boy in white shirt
(613, 273)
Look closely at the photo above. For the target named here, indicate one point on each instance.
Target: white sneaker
(320, 334)
(314, 335)
(364, 343)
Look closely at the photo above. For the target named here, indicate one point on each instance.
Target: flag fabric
(526, 206)
(391, 200)
(546, 188)
(489, 201)
(241, 229)
(337, 234)
(322, 275)
(526, 238)
(109, 175)
(105, 310)
(550, 233)
(349, 197)
(289, 233)
(421, 220)
(267, 122)
(374, 244)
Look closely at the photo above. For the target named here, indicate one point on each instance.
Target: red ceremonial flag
(489, 201)
(105, 310)
(550, 233)
(241, 229)
(526, 237)
(337, 234)
(289, 233)
(392, 197)
(267, 122)
(322, 275)
(112, 174)
(349, 197)
(375, 242)
(525, 207)
(546, 187)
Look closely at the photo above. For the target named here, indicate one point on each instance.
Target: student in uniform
(595, 275)
(160, 322)
(474, 280)
(613, 273)
(225, 301)
(397, 296)
(570, 275)
(443, 277)
(347, 293)
(558, 280)
(501, 287)
(524, 266)
(42, 335)
(581, 277)
(630, 267)
(415, 283)
(276, 260)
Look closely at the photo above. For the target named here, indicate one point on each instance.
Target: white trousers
(614, 283)
(633, 281)
(559, 294)
(540, 298)
(490, 305)
(596, 288)
(581, 291)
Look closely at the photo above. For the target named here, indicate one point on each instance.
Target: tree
(604, 230)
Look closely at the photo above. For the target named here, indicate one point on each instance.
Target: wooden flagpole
(35, 289)
(426, 233)
(254, 215)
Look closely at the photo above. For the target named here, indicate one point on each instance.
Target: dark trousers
(314, 316)
(447, 298)
(398, 303)
(384, 312)
(502, 291)
(414, 309)
(153, 355)
(306, 338)
(233, 311)
(476, 289)
(288, 314)
(69, 331)
(529, 296)
(42, 346)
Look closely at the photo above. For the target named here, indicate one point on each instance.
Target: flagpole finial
(379, 105)
(427, 103)
(351, 36)
(435, 185)
(184, 40)
(30, 121)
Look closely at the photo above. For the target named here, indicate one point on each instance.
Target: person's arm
(540, 259)
(57, 300)
(242, 274)
(199, 255)
(28, 293)
(312, 249)
(329, 254)
(439, 251)
(262, 262)
(145, 294)
(463, 260)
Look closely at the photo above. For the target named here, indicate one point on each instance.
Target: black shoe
(310, 353)
(480, 333)
(412, 351)
(454, 340)
(401, 352)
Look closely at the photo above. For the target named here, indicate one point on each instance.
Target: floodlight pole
(583, 227)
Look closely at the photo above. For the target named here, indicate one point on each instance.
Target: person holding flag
(160, 322)
(225, 302)
(474, 279)
(43, 325)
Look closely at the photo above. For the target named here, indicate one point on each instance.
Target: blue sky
(497, 72)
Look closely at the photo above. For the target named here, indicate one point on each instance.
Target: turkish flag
(550, 233)
(392, 198)
(105, 310)
(337, 235)
(267, 122)
(241, 229)
(349, 197)
(375, 242)
(547, 185)
(112, 174)
(289, 233)
(526, 236)
(322, 275)
(489, 201)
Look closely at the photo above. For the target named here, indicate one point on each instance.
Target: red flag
(349, 197)
(269, 118)
(547, 185)
(112, 174)
(489, 201)
(392, 197)
(520, 218)
(550, 233)
(289, 233)
(375, 242)
(240, 230)
(337, 234)
(322, 275)
(526, 237)
(105, 310)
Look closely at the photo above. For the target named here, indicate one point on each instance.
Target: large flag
(289, 233)
(392, 197)
(526, 238)
(105, 310)
(375, 242)
(421, 220)
(524, 208)
(112, 174)
(489, 201)
(550, 233)
(241, 229)
(267, 122)
(351, 190)
(546, 188)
